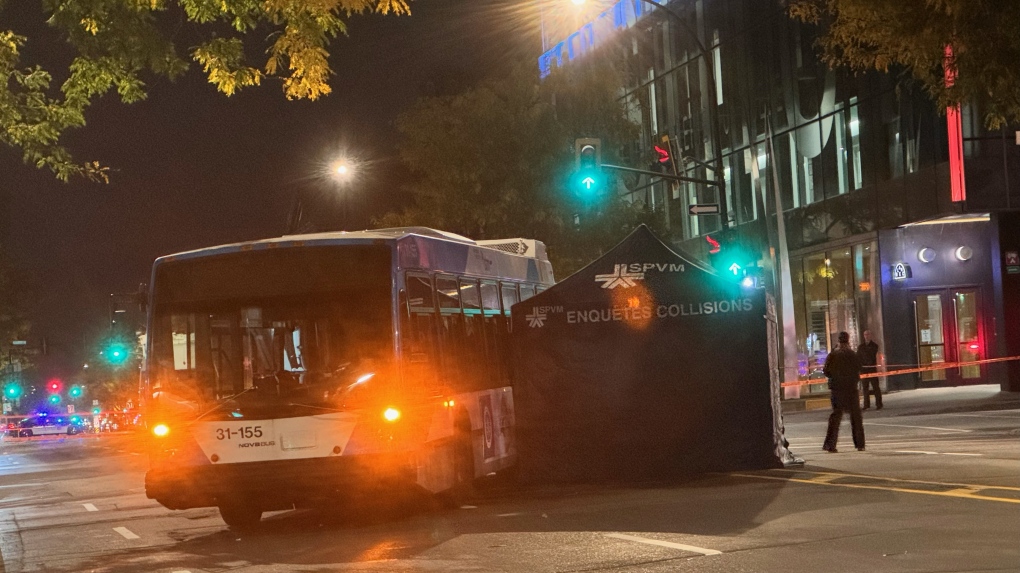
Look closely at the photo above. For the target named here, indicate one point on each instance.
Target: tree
(117, 42)
(494, 161)
(984, 37)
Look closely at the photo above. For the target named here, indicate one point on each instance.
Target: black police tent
(644, 365)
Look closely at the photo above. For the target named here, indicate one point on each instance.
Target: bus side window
(450, 327)
(527, 291)
(419, 293)
(509, 292)
(417, 334)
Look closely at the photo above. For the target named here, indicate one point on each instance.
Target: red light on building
(864, 286)
(973, 346)
(954, 125)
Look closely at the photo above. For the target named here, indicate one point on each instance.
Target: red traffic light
(663, 154)
(714, 245)
(55, 385)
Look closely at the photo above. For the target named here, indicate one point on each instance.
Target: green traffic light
(54, 398)
(12, 391)
(116, 353)
(96, 410)
(588, 183)
(75, 391)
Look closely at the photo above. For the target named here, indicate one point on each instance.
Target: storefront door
(948, 330)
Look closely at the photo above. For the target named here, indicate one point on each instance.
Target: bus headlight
(160, 430)
(391, 414)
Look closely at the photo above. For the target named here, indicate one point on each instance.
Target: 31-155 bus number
(243, 432)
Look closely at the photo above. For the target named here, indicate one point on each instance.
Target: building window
(855, 144)
(834, 291)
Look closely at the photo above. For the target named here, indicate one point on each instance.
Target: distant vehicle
(44, 425)
(285, 371)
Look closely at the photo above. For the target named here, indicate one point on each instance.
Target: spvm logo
(620, 277)
(627, 275)
(536, 318)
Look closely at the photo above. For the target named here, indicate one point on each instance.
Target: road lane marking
(514, 514)
(919, 427)
(127, 533)
(967, 491)
(959, 454)
(916, 452)
(90, 507)
(661, 543)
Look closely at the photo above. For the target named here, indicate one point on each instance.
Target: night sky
(193, 168)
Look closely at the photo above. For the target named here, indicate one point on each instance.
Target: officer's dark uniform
(868, 353)
(843, 369)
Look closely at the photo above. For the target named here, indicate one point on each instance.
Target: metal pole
(724, 212)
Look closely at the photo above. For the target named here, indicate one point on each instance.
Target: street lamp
(713, 106)
(343, 172)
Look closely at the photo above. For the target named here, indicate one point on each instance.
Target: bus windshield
(269, 335)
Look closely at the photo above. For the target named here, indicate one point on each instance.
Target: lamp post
(713, 104)
(343, 172)
(335, 173)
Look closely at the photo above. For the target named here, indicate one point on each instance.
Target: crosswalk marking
(661, 543)
(127, 533)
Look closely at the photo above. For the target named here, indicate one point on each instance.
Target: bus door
(947, 330)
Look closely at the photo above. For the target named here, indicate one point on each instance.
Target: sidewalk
(922, 401)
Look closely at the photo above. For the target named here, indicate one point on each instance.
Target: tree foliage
(494, 162)
(913, 34)
(116, 43)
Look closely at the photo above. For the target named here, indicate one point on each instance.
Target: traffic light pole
(662, 175)
(713, 111)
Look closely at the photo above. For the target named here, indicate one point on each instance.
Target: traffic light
(54, 386)
(75, 391)
(12, 391)
(54, 399)
(588, 179)
(96, 410)
(116, 353)
(732, 259)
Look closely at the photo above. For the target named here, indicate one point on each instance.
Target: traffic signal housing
(588, 179)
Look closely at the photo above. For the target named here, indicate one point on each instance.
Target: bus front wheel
(240, 516)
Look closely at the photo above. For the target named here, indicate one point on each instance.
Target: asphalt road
(933, 493)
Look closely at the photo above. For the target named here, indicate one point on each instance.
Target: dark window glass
(509, 296)
(490, 297)
(527, 291)
(469, 296)
(419, 293)
(447, 293)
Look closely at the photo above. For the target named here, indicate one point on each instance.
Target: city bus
(283, 372)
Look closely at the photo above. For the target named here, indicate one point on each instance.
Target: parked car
(43, 425)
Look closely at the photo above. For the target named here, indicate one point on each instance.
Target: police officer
(843, 368)
(868, 353)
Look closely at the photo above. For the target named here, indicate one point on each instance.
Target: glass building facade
(843, 156)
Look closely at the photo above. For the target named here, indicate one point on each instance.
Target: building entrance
(948, 329)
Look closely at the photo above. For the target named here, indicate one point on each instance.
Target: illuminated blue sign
(620, 16)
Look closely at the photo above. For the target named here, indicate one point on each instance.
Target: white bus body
(284, 371)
